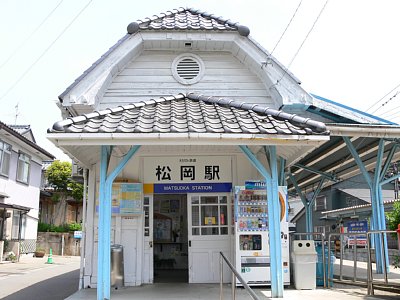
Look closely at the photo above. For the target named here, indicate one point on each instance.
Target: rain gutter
(183, 139)
(364, 130)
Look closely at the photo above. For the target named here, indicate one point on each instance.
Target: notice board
(126, 199)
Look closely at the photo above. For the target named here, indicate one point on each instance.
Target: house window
(209, 215)
(18, 219)
(320, 203)
(5, 156)
(24, 166)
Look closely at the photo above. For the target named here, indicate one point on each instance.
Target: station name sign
(187, 169)
(183, 188)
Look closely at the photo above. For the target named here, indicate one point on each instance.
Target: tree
(58, 176)
(393, 217)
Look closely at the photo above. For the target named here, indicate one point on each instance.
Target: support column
(274, 225)
(375, 185)
(104, 236)
(276, 270)
(282, 167)
(308, 203)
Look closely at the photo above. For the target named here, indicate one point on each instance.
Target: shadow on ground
(56, 288)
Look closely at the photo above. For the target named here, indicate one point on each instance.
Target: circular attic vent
(187, 68)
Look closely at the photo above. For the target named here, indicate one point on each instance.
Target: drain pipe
(83, 239)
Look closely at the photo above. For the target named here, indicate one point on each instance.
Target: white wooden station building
(191, 91)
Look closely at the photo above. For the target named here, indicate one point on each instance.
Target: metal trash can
(320, 269)
(304, 258)
(117, 266)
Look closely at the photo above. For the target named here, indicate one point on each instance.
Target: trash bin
(320, 268)
(117, 266)
(304, 259)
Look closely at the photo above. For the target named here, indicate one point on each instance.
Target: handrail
(370, 279)
(341, 235)
(235, 275)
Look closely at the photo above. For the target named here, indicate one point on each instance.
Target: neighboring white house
(20, 178)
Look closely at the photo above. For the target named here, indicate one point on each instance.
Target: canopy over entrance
(190, 119)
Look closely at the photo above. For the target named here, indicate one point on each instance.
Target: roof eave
(77, 139)
(41, 152)
(364, 130)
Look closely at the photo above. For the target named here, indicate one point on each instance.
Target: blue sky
(351, 56)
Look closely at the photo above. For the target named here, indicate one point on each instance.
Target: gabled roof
(187, 19)
(177, 19)
(24, 130)
(191, 113)
(29, 143)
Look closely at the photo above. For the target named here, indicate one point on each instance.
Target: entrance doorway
(170, 238)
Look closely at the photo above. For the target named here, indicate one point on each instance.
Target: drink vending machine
(252, 255)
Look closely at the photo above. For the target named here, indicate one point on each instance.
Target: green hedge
(43, 227)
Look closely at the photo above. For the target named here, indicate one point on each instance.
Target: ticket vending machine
(252, 255)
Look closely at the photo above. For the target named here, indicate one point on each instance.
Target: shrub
(75, 226)
(43, 227)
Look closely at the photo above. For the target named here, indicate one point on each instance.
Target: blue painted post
(388, 160)
(276, 270)
(306, 203)
(309, 222)
(275, 226)
(378, 215)
(282, 166)
(104, 246)
(102, 199)
(379, 210)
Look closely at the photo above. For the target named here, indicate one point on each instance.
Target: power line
(295, 12)
(30, 36)
(44, 52)
(382, 99)
(298, 50)
(393, 112)
(387, 101)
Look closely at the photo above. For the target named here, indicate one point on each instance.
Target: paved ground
(170, 291)
(32, 278)
(186, 291)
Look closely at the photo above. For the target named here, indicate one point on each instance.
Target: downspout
(83, 240)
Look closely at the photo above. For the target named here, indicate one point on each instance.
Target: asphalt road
(56, 288)
(35, 279)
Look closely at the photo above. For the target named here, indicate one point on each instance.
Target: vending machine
(252, 256)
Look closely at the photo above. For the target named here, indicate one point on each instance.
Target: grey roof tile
(190, 113)
(186, 19)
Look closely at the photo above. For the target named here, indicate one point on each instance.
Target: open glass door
(209, 234)
(148, 271)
